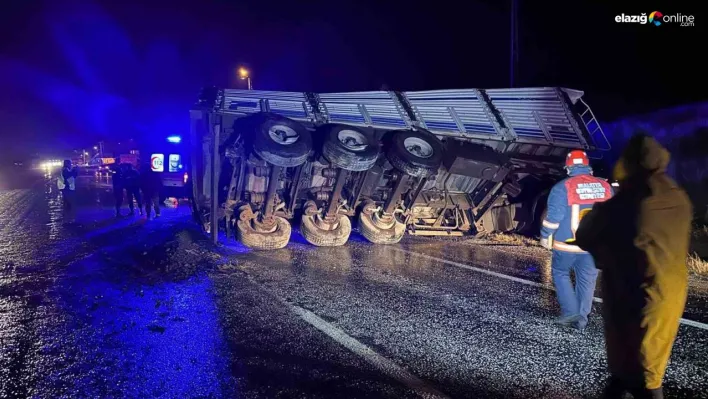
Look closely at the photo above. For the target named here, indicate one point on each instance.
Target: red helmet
(577, 158)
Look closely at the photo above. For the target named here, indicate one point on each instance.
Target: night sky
(74, 72)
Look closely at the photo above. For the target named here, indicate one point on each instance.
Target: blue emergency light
(174, 139)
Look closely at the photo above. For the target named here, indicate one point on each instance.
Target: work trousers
(69, 205)
(151, 201)
(133, 193)
(574, 300)
(118, 196)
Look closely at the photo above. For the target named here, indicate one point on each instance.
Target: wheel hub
(352, 140)
(325, 224)
(418, 147)
(383, 221)
(264, 225)
(282, 134)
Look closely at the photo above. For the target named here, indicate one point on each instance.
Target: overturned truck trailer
(441, 162)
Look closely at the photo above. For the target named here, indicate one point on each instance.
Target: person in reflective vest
(640, 240)
(569, 200)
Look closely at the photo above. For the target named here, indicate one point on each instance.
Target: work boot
(580, 325)
(566, 320)
(644, 393)
(132, 212)
(614, 389)
(657, 393)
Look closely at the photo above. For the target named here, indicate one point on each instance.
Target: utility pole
(514, 53)
(245, 74)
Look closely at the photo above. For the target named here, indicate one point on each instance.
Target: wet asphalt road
(136, 308)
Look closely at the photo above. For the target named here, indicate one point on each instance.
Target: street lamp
(245, 75)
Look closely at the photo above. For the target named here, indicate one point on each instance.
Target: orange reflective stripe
(550, 225)
(574, 218)
(561, 246)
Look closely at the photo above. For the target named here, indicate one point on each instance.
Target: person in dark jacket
(67, 184)
(568, 201)
(640, 240)
(117, 180)
(150, 184)
(131, 183)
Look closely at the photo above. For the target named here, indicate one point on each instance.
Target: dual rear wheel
(350, 149)
(286, 143)
(414, 153)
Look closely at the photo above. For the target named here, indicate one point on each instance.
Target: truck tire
(325, 238)
(378, 235)
(276, 239)
(349, 148)
(416, 153)
(281, 141)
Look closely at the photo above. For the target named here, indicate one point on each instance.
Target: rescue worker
(150, 184)
(131, 183)
(568, 201)
(67, 184)
(640, 241)
(117, 180)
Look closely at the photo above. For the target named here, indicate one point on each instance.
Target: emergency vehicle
(169, 159)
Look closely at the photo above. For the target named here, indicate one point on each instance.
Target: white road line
(383, 364)
(687, 322)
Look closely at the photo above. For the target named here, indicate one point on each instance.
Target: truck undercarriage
(445, 162)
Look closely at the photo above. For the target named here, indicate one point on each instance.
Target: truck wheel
(349, 148)
(415, 153)
(378, 232)
(262, 240)
(281, 141)
(313, 232)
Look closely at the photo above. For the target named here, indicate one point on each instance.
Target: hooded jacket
(649, 212)
(568, 200)
(640, 240)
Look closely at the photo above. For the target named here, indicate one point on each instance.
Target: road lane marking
(385, 365)
(687, 322)
(381, 363)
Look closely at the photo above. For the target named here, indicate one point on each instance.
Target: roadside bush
(697, 265)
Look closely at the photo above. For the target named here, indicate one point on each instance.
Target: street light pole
(514, 56)
(244, 74)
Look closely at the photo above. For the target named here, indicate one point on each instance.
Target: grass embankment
(698, 255)
(697, 261)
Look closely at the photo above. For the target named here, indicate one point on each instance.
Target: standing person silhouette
(640, 241)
